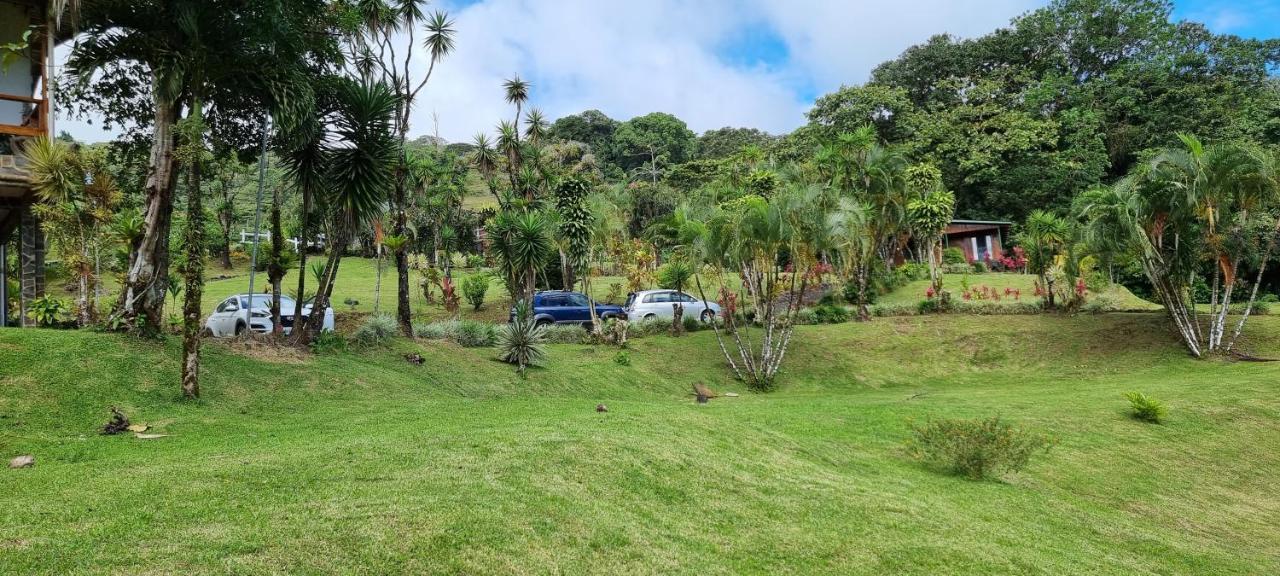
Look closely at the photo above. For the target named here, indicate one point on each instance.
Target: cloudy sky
(713, 63)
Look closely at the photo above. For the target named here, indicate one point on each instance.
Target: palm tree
(188, 47)
(77, 200)
(359, 174)
(306, 158)
(535, 126)
(1045, 237)
(517, 93)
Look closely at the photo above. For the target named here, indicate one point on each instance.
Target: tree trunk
(144, 290)
(226, 247)
(1253, 295)
(275, 272)
(315, 322)
(193, 272)
(864, 311)
(304, 240)
(399, 228)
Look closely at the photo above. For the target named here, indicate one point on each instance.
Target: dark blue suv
(561, 307)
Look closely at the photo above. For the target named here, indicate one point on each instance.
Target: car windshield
(577, 300)
(264, 301)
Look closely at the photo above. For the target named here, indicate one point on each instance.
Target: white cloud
(628, 58)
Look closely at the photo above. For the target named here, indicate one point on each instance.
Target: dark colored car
(561, 307)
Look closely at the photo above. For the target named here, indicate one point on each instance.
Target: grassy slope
(360, 463)
(914, 292)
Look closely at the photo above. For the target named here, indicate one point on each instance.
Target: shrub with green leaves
(976, 449)
(566, 334)
(327, 342)
(474, 288)
(443, 330)
(375, 330)
(828, 314)
(522, 342)
(47, 310)
(953, 255)
(1145, 408)
(674, 275)
(475, 334)
(622, 358)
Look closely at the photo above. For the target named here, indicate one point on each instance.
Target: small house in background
(978, 239)
(27, 30)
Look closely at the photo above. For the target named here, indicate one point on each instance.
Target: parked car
(650, 304)
(563, 307)
(228, 318)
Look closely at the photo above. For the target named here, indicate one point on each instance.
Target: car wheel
(206, 332)
(542, 323)
(650, 316)
(239, 328)
(708, 316)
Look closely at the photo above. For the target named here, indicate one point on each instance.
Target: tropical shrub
(622, 358)
(474, 261)
(47, 311)
(375, 330)
(675, 274)
(327, 342)
(976, 449)
(807, 316)
(979, 267)
(829, 314)
(1145, 408)
(960, 268)
(521, 342)
(566, 334)
(444, 330)
(474, 334)
(474, 288)
(953, 255)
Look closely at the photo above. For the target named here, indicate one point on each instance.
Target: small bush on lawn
(1145, 408)
(976, 449)
(881, 310)
(375, 330)
(566, 334)
(622, 358)
(473, 334)
(443, 330)
(987, 307)
(328, 342)
(831, 314)
(953, 255)
(474, 288)
(806, 316)
(691, 324)
(957, 269)
(650, 327)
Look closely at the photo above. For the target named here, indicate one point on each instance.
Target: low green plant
(375, 330)
(979, 267)
(566, 334)
(1145, 408)
(522, 341)
(328, 342)
(622, 358)
(475, 334)
(691, 324)
(976, 449)
(474, 288)
(805, 316)
(953, 255)
(47, 311)
(442, 330)
(828, 314)
(474, 261)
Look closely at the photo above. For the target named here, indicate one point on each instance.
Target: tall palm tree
(1045, 237)
(535, 126)
(517, 93)
(361, 157)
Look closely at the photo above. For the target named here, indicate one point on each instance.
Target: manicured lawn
(362, 463)
(914, 292)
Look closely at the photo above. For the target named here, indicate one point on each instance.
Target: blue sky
(713, 63)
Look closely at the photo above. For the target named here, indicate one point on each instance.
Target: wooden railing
(36, 121)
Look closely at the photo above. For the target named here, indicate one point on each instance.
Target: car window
(556, 300)
(225, 303)
(577, 300)
(686, 298)
(659, 298)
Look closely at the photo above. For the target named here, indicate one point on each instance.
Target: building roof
(991, 222)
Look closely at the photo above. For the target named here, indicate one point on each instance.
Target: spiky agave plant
(522, 342)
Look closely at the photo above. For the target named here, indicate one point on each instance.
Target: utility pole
(257, 224)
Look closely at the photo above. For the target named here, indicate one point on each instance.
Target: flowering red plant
(1081, 287)
(929, 293)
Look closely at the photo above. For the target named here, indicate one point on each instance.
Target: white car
(228, 319)
(650, 304)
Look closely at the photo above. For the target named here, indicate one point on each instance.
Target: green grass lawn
(913, 292)
(362, 463)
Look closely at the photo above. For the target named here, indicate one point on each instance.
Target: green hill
(362, 463)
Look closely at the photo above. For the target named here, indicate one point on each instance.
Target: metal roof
(996, 222)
